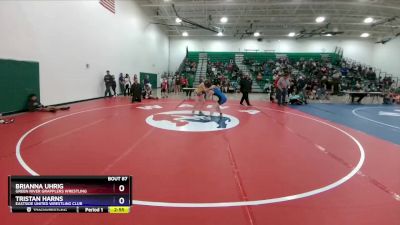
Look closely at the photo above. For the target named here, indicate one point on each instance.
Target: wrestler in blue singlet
(221, 97)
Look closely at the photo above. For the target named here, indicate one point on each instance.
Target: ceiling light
(320, 19)
(178, 20)
(368, 20)
(220, 34)
(256, 34)
(328, 35)
(292, 34)
(185, 34)
(364, 35)
(224, 20)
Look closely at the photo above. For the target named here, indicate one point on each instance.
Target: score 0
(121, 187)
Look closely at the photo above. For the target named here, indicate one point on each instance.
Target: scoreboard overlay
(69, 194)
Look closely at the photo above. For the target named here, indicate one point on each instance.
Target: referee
(245, 88)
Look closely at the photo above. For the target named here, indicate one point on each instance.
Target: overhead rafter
(393, 6)
(277, 17)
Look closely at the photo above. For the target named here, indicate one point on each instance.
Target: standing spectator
(177, 86)
(108, 82)
(127, 83)
(146, 80)
(114, 85)
(164, 88)
(274, 82)
(336, 83)
(136, 91)
(184, 84)
(282, 86)
(170, 83)
(291, 87)
(322, 89)
(371, 75)
(278, 76)
(245, 88)
(121, 83)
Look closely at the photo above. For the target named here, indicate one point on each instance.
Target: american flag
(108, 4)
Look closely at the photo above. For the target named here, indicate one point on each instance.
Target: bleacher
(205, 61)
(212, 56)
(257, 59)
(254, 62)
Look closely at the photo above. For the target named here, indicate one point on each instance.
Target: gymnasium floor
(319, 164)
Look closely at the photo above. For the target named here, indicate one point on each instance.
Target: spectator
(164, 88)
(147, 93)
(114, 85)
(301, 88)
(344, 71)
(34, 105)
(322, 93)
(282, 87)
(183, 82)
(388, 98)
(371, 75)
(274, 87)
(259, 76)
(146, 80)
(177, 87)
(360, 96)
(108, 82)
(136, 91)
(121, 83)
(170, 83)
(127, 83)
(336, 83)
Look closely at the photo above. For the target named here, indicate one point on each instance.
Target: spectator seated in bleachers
(189, 66)
(221, 72)
(323, 76)
(392, 96)
(344, 71)
(259, 76)
(388, 98)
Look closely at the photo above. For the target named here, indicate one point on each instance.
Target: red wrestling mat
(256, 165)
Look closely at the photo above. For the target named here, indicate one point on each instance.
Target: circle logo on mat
(187, 122)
